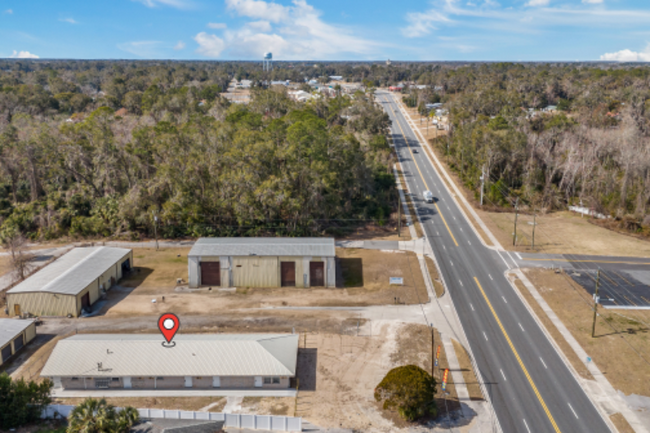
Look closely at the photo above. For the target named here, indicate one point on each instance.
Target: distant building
(550, 108)
(197, 361)
(336, 77)
(262, 262)
(14, 335)
(72, 283)
(397, 88)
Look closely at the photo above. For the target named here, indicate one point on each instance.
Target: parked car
(428, 196)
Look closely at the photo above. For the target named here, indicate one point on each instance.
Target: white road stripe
(438, 234)
(504, 376)
(452, 263)
(485, 335)
(461, 283)
(504, 299)
(444, 247)
(522, 328)
(491, 277)
(526, 426)
(543, 363)
(469, 242)
(470, 304)
(519, 256)
(574, 412)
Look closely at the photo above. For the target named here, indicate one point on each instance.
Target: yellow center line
(622, 277)
(584, 261)
(424, 181)
(521, 363)
(606, 276)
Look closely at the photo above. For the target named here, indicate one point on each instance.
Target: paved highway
(531, 388)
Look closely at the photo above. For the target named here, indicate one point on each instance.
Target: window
(267, 380)
(74, 378)
(271, 380)
(276, 380)
(160, 378)
(115, 379)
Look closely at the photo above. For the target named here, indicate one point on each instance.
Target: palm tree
(97, 416)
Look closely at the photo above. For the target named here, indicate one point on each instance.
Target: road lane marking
(574, 412)
(444, 247)
(469, 242)
(437, 234)
(621, 277)
(452, 263)
(522, 328)
(543, 363)
(526, 426)
(461, 283)
(587, 261)
(504, 299)
(490, 277)
(485, 335)
(470, 304)
(518, 255)
(521, 363)
(424, 181)
(504, 376)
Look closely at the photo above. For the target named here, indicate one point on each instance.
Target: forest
(107, 148)
(74, 163)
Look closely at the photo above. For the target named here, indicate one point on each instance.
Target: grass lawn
(157, 268)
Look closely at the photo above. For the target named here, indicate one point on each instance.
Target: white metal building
(140, 361)
(14, 335)
(262, 262)
(74, 281)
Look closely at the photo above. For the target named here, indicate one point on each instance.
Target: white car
(428, 196)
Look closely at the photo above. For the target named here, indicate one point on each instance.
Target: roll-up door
(210, 273)
(19, 342)
(316, 274)
(288, 274)
(6, 353)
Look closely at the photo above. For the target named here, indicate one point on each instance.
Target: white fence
(266, 422)
(587, 211)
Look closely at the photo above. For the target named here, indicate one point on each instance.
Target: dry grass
(169, 403)
(559, 339)
(472, 383)
(5, 264)
(279, 406)
(435, 277)
(621, 423)
(621, 349)
(157, 268)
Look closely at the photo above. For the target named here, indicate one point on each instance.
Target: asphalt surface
(530, 387)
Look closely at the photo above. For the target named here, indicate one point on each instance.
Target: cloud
(421, 23)
(68, 20)
(209, 45)
(23, 55)
(179, 46)
(593, 2)
(8, 11)
(300, 34)
(145, 49)
(534, 3)
(218, 26)
(628, 56)
(179, 4)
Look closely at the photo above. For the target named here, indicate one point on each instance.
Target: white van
(428, 196)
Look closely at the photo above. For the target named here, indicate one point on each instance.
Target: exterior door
(188, 381)
(288, 274)
(258, 381)
(17, 309)
(19, 342)
(6, 353)
(317, 274)
(211, 273)
(85, 301)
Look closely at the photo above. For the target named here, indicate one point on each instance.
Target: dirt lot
(622, 343)
(338, 374)
(279, 406)
(366, 273)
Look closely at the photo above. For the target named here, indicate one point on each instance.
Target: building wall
(174, 382)
(42, 304)
(28, 334)
(255, 271)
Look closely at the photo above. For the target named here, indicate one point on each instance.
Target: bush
(22, 402)
(97, 416)
(409, 390)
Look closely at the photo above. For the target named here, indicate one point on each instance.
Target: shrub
(409, 390)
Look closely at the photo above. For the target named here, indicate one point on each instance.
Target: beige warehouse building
(72, 283)
(14, 335)
(262, 262)
(196, 361)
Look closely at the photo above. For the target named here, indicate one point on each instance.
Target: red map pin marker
(168, 325)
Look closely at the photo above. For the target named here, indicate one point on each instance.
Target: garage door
(211, 273)
(316, 274)
(85, 301)
(6, 353)
(288, 274)
(19, 342)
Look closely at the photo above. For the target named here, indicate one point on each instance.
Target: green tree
(97, 416)
(22, 402)
(409, 390)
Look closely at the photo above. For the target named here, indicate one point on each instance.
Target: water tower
(267, 62)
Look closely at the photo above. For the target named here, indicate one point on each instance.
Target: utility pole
(596, 299)
(514, 235)
(482, 182)
(155, 229)
(534, 224)
(433, 356)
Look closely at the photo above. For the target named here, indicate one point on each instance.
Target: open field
(367, 273)
(621, 348)
(416, 223)
(279, 406)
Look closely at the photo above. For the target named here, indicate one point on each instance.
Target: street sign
(444, 379)
(399, 281)
(437, 355)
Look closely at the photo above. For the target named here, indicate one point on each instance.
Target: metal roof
(72, 272)
(193, 355)
(9, 328)
(319, 247)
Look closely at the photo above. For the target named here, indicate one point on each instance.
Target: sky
(420, 30)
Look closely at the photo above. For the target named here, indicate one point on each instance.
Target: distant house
(262, 262)
(14, 335)
(550, 108)
(72, 283)
(336, 77)
(197, 361)
(398, 88)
